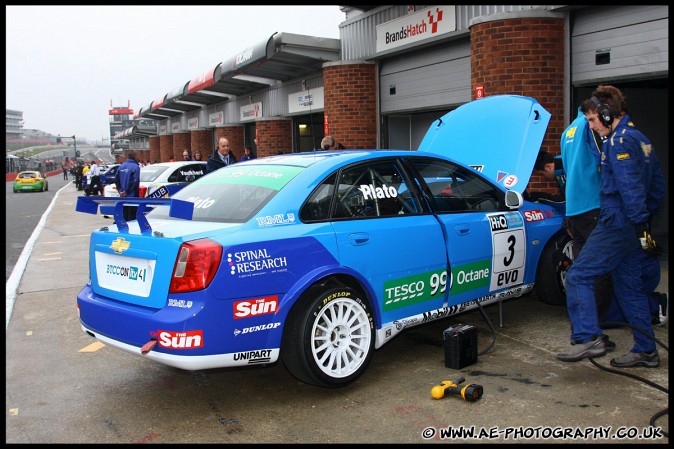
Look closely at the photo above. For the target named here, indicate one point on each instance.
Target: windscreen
(233, 193)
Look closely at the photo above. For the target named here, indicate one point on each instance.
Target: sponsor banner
(175, 127)
(306, 100)
(193, 123)
(416, 27)
(216, 119)
(251, 111)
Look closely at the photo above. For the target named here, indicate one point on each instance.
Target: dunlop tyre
(329, 338)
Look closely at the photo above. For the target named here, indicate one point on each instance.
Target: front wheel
(555, 261)
(329, 337)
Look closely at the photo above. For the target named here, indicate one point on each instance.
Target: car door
(486, 243)
(384, 233)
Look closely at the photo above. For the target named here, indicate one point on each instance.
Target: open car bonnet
(499, 136)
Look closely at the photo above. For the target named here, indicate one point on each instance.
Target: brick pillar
(202, 140)
(154, 149)
(235, 136)
(144, 155)
(165, 148)
(180, 142)
(523, 56)
(350, 102)
(274, 135)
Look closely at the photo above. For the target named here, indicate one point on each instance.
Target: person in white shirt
(95, 187)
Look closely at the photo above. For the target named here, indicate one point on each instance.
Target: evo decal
(508, 249)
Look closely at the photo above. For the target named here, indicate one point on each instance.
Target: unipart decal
(261, 327)
(275, 220)
(533, 215)
(260, 356)
(255, 307)
(180, 340)
(255, 263)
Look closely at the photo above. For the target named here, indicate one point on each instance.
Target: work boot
(632, 359)
(608, 344)
(580, 351)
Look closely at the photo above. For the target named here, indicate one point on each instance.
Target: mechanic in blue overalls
(614, 244)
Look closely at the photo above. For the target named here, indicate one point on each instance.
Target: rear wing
(114, 206)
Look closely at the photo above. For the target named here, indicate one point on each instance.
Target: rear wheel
(329, 337)
(46, 186)
(552, 267)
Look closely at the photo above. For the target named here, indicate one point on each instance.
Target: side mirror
(513, 199)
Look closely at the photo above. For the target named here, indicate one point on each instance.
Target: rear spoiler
(114, 206)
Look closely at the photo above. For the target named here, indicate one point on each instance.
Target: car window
(453, 188)
(375, 189)
(188, 173)
(317, 206)
(234, 193)
(27, 175)
(151, 172)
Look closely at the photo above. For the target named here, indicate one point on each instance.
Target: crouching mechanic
(613, 245)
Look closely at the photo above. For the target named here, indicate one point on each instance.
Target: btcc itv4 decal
(508, 249)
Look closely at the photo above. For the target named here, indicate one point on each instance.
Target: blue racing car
(319, 258)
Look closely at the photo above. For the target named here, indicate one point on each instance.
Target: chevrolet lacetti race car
(319, 258)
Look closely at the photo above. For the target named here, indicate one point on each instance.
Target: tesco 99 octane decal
(414, 289)
(508, 249)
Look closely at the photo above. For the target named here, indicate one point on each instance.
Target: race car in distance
(30, 181)
(319, 258)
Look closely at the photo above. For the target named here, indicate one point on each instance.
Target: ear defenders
(332, 144)
(603, 111)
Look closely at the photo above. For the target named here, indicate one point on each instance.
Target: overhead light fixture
(303, 126)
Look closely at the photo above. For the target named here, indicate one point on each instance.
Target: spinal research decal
(509, 249)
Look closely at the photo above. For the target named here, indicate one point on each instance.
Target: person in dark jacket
(127, 180)
(222, 157)
(631, 189)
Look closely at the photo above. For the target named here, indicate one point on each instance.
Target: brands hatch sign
(416, 27)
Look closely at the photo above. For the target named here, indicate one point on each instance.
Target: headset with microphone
(604, 112)
(327, 146)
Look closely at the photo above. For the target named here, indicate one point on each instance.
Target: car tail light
(195, 266)
(142, 191)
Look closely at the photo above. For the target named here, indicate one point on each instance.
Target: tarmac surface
(62, 386)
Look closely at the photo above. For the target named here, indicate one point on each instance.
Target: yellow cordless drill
(470, 393)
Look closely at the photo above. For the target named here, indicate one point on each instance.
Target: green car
(30, 181)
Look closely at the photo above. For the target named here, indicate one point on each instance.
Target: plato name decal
(371, 192)
(508, 249)
(180, 340)
(255, 307)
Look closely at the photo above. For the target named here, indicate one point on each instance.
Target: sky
(66, 63)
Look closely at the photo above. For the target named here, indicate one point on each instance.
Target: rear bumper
(186, 334)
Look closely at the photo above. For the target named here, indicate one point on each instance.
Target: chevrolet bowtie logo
(120, 245)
